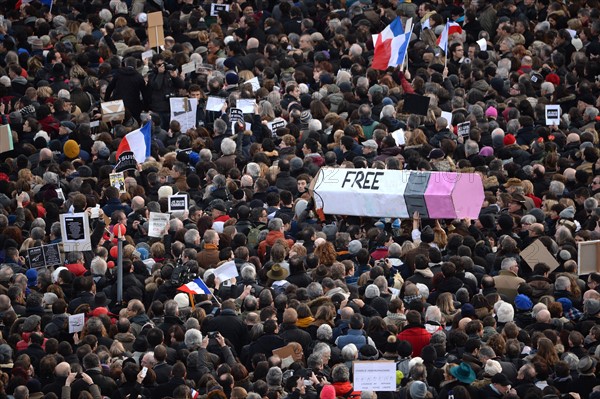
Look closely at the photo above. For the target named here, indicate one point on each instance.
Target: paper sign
(482, 44)
(374, 376)
(448, 117)
(236, 114)
(277, 123)
(538, 253)
(60, 194)
(588, 257)
(188, 68)
(117, 180)
(157, 224)
(6, 139)
(464, 129)
(573, 33)
(399, 136)
(552, 115)
(76, 322)
(75, 232)
(178, 203)
(94, 124)
(254, 82)
(183, 110)
(214, 103)
(246, 105)
(147, 54)
(215, 8)
(95, 212)
(226, 271)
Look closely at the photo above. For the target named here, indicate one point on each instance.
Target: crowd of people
(451, 302)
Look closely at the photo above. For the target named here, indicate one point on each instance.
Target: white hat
(64, 94)
(5, 81)
(492, 367)
(165, 191)
(56, 273)
(43, 134)
(142, 18)
(182, 300)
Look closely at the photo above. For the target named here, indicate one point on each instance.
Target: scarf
(427, 273)
(304, 322)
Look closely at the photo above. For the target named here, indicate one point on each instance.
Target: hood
(20, 80)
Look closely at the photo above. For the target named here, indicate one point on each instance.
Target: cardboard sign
(416, 104)
(112, 111)
(6, 139)
(286, 354)
(374, 376)
(538, 253)
(156, 32)
(246, 105)
(226, 271)
(44, 256)
(464, 129)
(178, 203)
(117, 180)
(215, 8)
(215, 103)
(76, 322)
(588, 257)
(552, 115)
(125, 162)
(157, 224)
(75, 231)
(394, 193)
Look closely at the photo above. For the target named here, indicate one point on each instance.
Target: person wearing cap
(516, 205)
(499, 387)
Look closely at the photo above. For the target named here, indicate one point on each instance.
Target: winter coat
(417, 335)
(129, 85)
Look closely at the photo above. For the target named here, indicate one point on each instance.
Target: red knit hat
(509, 139)
(553, 78)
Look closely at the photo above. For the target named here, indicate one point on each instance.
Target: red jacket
(345, 390)
(271, 239)
(77, 269)
(418, 337)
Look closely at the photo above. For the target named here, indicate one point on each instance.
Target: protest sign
(126, 161)
(44, 256)
(117, 180)
(464, 129)
(416, 104)
(536, 253)
(215, 103)
(6, 139)
(215, 8)
(75, 231)
(188, 67)
(156, 31)
(482, 44)
(588, 257)
(374, 376)
(157, 224)
(76, 322)
(399, 137)
(178, 203)
(552, 115)
(183, 110)
(286, 354)
(226, 271)
(448, 117)
(254, 82)
(397, 193)
(246, 105)
(277, 123)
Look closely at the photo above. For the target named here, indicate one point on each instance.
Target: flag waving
(398, 49)
(138, 142)
(195, 287)
(450, 29)
(383, 44)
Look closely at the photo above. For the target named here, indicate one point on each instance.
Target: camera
(213, 334)
(170, 67)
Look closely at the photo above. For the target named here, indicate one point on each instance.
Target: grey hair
(471, 148)
(433, 313)
(349, 352)
(228, 146)
(529, 219)
(388, 111)
(253, 169)
(275, 224)
(557, 187)
(191, 236)
(314, 125)
(37, 233)
(590, 204)
(512, 126)
(205, 155)
(507, 263)
(322, 348)
(219, 126)
(98, 266)
(50, 178)
(314, 290)
(39, 222)
(248, 272)
(324, 332)
(192, 339)
(340, 373)
(395, 250)
(562, 283)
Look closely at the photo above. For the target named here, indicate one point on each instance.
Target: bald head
(462, 324)
(290, 315)
(4, 303)
(591, 294)
(137, 203)
(62, 369)
(543, 316)
(252, 43)
(45, 154)
(347, 313)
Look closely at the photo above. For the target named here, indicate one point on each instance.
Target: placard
(588, 257)
(75, 232)
(188, 67)
(464, 128)
(254, 82)
(374, 376)
(156, 32)
(286, 354)
(60, 194)
(94, 124)
(126, 161)
(215, 8)
(117, 180)
(147, 54)
(215, 103)
(76, 322)
(44, 256)
(178, 203)
(157, 224)
(113, 111)
(246, 105)
(226, 271)
(6, 139)
(482, 44)
(36, 258)
(277, 123)
(552, 115)
(183, 110)
(536, 253)
(236, 114)
(448, 117)
(416, 104)
(399, 137)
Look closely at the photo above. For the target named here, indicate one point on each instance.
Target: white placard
(188, 68)
(246, 105)
(75, 232)
(94, 124)
(183, 110)
(215, 103)
(226, 271)
(573, 33)
(76, 322)
(254, 82)
(399, 136)
(157, 224)
(552, 114)
(178, 203)
(482, 44)
(215, 8)
(147, 54)
(375, 376)
(276, 124)
(60, 194)
(448, 117)
(95, 212)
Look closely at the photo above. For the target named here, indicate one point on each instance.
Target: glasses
(596, 182)
(159, 65)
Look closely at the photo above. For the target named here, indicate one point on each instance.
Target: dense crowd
(452, 302)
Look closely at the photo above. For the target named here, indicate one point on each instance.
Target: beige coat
(507, 284)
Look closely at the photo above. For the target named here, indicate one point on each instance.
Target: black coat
(231, 327)
(266, 343)
(127, 85)
(291, 333)
(166, 389)
(106, 384)
(287, 182)
(163, 372)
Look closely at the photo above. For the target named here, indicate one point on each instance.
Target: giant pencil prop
(398, 193)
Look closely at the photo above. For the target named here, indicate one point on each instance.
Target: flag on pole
(383, 44)
(196, 286)
(138, 142)
(450, 29)
(399, 48)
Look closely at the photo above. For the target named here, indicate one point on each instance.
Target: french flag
(137, 142)
(195, 287)
(383, 44)
(450, 29)
(399, 48)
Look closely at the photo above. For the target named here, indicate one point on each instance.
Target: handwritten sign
(214, 103)
(375, 376)
(157, 224)
(76, 322)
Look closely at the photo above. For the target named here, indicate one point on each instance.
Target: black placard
(52, 255)
(416, 104)
(126, 161)
(36, 257)
(75, 228)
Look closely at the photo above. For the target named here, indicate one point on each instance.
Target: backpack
(253, 236)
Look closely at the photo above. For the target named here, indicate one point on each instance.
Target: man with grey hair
(171, 317)
(192, 238)
(507, 281)
(471, 148)
(442, 132)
